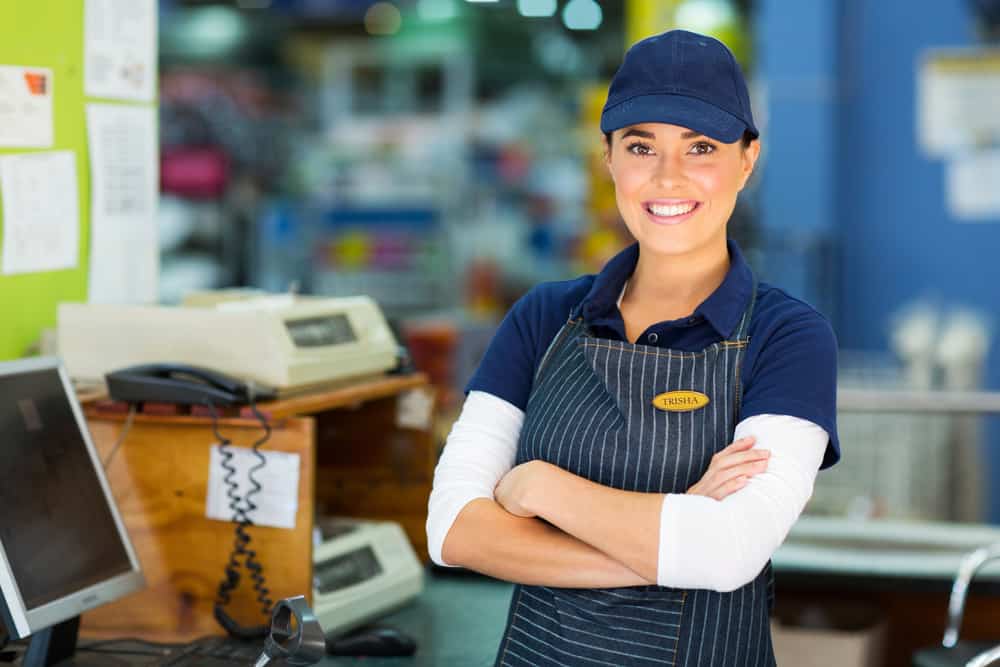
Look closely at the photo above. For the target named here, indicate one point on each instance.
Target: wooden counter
(356, 460)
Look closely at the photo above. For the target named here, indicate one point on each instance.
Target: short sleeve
(794, 372)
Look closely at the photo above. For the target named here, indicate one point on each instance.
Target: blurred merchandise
(721, 19)
(605, 234)
(482, 289)
(197, 173)
(394, 254)
(432, 344)
(916, 464)
(448, 348)
(893, 465)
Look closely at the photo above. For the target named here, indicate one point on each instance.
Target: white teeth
(667, 211)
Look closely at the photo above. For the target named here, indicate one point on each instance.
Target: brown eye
(702, 148)
(639, 149)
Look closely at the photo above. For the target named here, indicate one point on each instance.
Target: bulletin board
(47, 33)
(50, 34)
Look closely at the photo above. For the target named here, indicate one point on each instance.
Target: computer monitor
(63, 546)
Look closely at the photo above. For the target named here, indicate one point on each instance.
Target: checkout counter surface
(457, 621)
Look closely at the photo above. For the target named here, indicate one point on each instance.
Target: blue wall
(898, 240)
(795, 81)
(845, 164)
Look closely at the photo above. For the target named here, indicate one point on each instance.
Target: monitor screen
(60, 536)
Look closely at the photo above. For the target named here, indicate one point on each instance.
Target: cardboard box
(824, 634)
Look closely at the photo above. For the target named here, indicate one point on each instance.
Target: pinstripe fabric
(590, 412)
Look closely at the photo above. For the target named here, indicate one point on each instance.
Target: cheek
(717, 183)
(630, 181)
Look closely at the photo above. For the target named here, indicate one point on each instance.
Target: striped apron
(590, 412)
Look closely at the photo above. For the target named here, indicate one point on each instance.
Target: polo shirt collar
(722, 309)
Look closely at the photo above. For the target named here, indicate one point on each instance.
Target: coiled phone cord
(241, 539)
(255, 568)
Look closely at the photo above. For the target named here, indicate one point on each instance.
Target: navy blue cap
(681, 78)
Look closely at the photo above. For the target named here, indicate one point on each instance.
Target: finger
(730, 487)
(721, 476)
(748, 469)
(741, 443)
(739, 458)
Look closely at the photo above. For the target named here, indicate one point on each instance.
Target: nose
(669, 170)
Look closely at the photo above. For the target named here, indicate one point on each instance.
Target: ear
(749, 161)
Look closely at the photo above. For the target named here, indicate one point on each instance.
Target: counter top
(900, 552)
(457, 621)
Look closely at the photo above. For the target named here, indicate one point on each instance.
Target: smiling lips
(671, 211)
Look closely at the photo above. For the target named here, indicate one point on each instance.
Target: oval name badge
(681, 401)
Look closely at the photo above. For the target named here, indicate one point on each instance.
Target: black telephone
(180, 383)
(193, 385)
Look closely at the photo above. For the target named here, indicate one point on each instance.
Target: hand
(731, 469)
(514, 489)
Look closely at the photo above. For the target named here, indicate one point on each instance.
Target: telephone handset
(180, 383)
(193, 385)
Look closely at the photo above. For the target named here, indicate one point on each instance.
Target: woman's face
(676, 189)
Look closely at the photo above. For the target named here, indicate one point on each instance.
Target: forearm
(692, 541)
(625, 525)
(488, 539)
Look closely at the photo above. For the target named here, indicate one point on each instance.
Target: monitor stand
(53, 644)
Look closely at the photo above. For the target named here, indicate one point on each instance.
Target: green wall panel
(47, 33)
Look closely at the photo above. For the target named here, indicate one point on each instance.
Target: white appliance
(289, 343)
(362, 570)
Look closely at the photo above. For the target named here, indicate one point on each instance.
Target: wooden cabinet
(355, 460)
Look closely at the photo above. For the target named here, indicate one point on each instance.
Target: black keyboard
(216, 651)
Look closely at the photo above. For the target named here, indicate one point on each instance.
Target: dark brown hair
(744, 140)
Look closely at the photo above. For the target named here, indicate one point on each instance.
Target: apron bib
(591, 412)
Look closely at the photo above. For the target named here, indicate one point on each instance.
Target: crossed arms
(486, 515)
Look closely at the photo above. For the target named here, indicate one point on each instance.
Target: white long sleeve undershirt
(704, 543)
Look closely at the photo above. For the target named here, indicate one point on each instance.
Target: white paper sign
(120, 49)
(972, 186)
(958, 100)
(124, 176)
(26, 107)
(414, 409)
(278, 499)
(41, 217)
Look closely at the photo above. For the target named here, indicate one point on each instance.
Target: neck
(675, 285)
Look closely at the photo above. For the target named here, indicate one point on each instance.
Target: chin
(670, 243)
(680, 240)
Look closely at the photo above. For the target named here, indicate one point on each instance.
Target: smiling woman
(633, 466)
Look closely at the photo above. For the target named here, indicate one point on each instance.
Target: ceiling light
(383, 18)
(534, 8)
(582, 15)
(436, 10)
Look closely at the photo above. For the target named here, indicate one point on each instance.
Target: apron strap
(744, 326)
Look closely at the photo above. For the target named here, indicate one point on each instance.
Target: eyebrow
(633, 132)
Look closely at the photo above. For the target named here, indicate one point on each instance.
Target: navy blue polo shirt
(790, 366)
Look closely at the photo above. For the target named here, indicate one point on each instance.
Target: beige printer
(287, 342)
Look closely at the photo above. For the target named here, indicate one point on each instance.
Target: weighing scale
(361, 570)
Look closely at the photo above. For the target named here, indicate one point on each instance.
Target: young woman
(636, 444)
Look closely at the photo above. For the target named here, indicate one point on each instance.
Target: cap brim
(689, 112)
